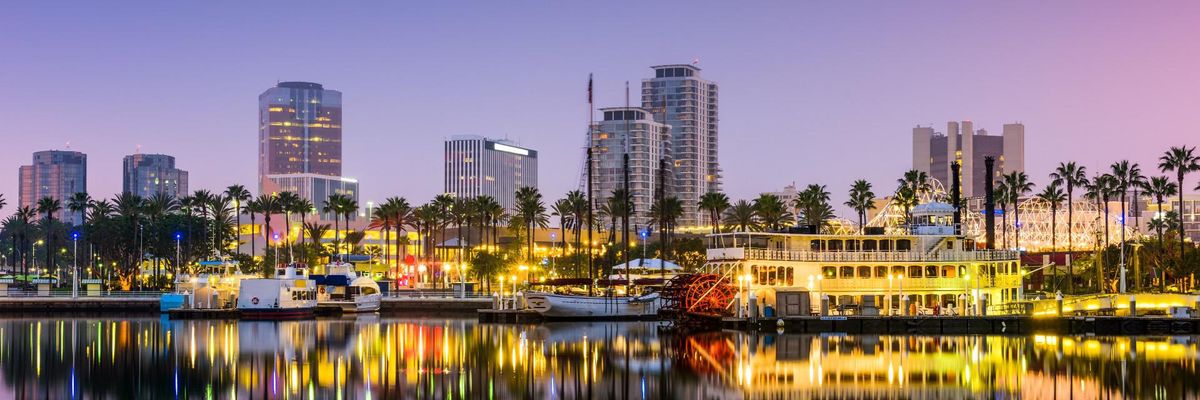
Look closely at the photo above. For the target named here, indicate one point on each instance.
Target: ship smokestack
(989, 193)
(956, 196)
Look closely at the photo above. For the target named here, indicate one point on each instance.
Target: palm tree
(666, 215)
(771, 212)
(333, 205)
(48, 206)
(1182, 160)
(287, 205)
(562, 210)
(1160, 187)
(861, 200)
(381, 218)
(577, 205)
(303, 206)
(204, 199)
(814, 207)
(347, 207)
(532, 213)
(913, 184)
(25, 215)
(1054, 196)
(252, 208)
(1125, 175)
(238, 194)
(79, 203)
(268, 204)
(402, 218)
(1002, 197)
(741, 216)
(1018, 185)
(715, 203)
(1070, 175)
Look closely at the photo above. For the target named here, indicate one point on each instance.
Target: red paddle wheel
(697, 300)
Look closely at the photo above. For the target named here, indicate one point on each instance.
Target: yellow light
(523, 267)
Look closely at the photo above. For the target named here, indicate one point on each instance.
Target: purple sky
(819, 92)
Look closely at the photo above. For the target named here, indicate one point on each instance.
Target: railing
(861, 256)
(24, 294)
(435, 294)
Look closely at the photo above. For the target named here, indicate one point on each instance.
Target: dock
(211, 313)
(81, 303)
(984, 325)
(510, 316)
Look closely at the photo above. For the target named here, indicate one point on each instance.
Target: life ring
(321, 290)
(254, 300)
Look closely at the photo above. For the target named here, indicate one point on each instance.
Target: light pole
(900, 279)
(178, 237)
(889, 296)
(75, 265)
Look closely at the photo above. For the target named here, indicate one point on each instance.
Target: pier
(1016, 325)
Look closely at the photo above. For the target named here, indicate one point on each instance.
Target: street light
(178, 237)
(900, 279)
(75, 266)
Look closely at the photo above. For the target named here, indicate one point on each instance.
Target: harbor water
(373, 357)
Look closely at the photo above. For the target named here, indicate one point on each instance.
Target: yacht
(215, 287)
(925, 266)
(289, 294)
(565, 307)
(341, 287)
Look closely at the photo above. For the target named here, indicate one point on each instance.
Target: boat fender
(254, 300)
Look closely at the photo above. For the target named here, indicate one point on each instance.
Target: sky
(810, 92)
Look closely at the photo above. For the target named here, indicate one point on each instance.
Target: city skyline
(1060, 87)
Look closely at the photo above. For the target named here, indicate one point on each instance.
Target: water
(383, 358)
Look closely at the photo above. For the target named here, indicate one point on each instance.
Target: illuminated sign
(509, 149)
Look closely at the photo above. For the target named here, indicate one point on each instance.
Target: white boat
(217, 287)
(645, 269)
(558, 306)
(342, 287)
(290, 294)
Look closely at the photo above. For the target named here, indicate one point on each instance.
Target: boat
(215, 287)
(289, 294)
(343, 288)
(565, 307)
(924, 266)
(645, 272)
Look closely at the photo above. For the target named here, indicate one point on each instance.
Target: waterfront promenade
(120, 302)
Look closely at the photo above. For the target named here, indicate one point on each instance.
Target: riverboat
(923, 268)
(289, 294)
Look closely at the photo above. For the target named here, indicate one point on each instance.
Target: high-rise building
(933, 152)
(631, 131)
(678, 97)
(147, 174)
(57, 174)
(477, 166)
(315, 188)
(299, 130)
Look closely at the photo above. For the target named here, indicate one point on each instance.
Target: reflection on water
(383, 358)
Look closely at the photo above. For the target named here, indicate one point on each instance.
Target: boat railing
(740, 253)
(452, 294)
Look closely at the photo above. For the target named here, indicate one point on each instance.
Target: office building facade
(57, 174)
(633, 131)
(147, 174)
(314, 187)
(933, 152)
(477, 166)
(677, 96)
(299, 130)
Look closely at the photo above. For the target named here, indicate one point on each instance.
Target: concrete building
(147, 174)
(788, 196)
(933, 152)
(313, 187)
(632, 131)
(477, 166)
(299, 130)
(678, 97)
(57, 174)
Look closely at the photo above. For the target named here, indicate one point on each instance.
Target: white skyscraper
(678, 97)
(630, 130)
(477, 166)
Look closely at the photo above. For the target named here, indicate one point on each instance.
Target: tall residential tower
(56, 174)
(630, 131)
(678, 97)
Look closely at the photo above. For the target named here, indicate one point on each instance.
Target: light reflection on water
(383, 358)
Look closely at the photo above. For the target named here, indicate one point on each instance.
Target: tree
(741, 216)
(1054, 196)
(814, 207)
(253, 208)
(1002, 199)
(1160, 188)
(666, 215)
(1182, 160)
(532, 213)
(862, 199)
(1070, 175)
(48, 206)
(335, 204)
(287, 205)
(913, 185)
(268, 204)
(1018, 185)
(79, 203)
(771, 212)
(578, 206)
(238, 195)
(715, 204)
(562, 209)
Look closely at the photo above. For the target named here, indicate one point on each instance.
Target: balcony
(739, 253)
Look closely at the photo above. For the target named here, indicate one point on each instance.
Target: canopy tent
(649, 263)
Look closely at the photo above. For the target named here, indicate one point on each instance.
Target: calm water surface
(383, 358)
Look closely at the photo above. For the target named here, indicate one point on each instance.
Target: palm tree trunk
(1182, 229)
